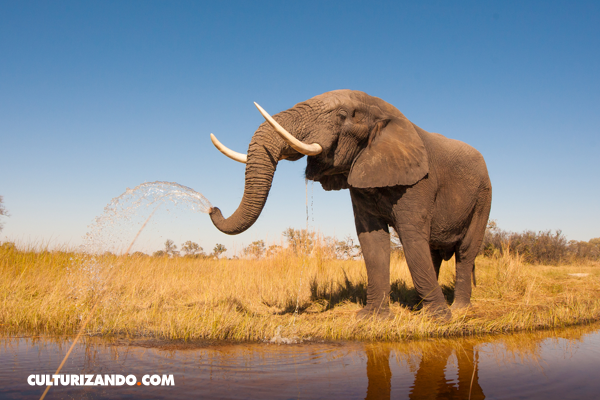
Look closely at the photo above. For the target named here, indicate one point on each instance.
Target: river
(559, 364)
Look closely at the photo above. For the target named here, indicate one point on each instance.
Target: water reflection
(379, 373)
(546, 365)
(431, 379)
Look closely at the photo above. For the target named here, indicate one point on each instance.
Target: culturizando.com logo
(99, 380)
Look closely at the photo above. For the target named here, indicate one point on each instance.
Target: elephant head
(351, 139)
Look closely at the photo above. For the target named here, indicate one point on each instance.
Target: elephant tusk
(234, 155)
(303, 148)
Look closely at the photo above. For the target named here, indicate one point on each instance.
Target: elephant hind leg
(466, 252)
(465, 266)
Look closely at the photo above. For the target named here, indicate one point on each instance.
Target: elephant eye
(343, 114)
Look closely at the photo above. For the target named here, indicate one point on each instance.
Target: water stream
(560, 364)
(123, 220)
(120, 223)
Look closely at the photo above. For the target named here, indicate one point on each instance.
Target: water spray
(142, 195)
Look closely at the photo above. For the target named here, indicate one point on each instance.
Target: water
(123, 220)
(120, 225)
(545, 365)
(124, 217)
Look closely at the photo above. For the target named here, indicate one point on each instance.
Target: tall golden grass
(285, 297)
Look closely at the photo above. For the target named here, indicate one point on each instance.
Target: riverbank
(285, 298)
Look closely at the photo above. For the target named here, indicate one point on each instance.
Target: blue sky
(96, 97)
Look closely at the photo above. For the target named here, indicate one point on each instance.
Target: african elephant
(434, 191)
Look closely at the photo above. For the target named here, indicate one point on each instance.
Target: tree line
(189, 249)
(297, 241)
(542, 247)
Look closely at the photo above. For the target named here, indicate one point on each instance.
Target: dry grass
(249, 300)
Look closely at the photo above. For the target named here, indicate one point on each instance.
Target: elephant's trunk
(265, 150)
(263, 154)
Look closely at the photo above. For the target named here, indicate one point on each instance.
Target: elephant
(434, 191)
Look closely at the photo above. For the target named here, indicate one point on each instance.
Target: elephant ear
(394, 156)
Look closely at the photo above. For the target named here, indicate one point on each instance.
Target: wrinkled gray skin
(433, 190)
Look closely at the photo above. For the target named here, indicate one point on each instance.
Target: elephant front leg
(375, 246)
(374, 238)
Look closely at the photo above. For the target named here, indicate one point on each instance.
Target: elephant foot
(375, 312)
(460, 305)
(439, 313)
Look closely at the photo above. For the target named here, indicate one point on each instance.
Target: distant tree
(542, 247)
(256, 249)
(218, 250)
(159, 253)
(171, 248)
(494, 239)
(3, 211)
(347, 249)
(324, 247)
(585, 250)
(139, 254)
(191, 248)
(299, 240)
(273, 249)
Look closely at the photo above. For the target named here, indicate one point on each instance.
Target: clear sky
(99, 96)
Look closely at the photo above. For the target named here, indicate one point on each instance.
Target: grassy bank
(284, 296)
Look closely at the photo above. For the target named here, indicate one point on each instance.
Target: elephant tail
(473, 275)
